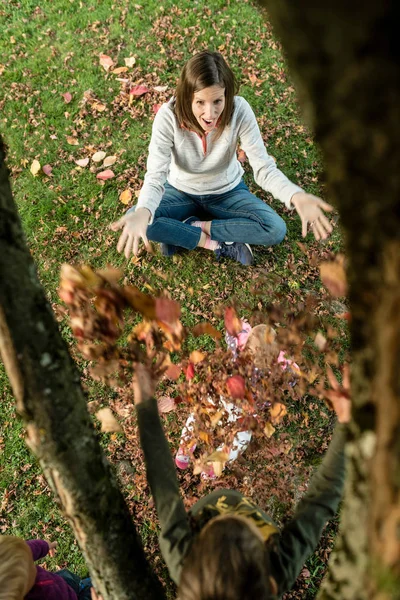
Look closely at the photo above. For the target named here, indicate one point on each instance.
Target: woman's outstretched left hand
(310, 209)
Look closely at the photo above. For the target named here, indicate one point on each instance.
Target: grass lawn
(59, 105)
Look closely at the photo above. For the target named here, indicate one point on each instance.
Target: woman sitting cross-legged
(193, 193)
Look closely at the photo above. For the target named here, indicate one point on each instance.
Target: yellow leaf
(204, 436)
(35, 167)
(196, 357)
(98, 156)
(125, 196)
(109, 160)
(216, 418)
(277, 412)
(109, 423)
(119, 70)
(269, 430)
(130, 61)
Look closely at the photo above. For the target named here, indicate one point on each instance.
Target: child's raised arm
(175, 538)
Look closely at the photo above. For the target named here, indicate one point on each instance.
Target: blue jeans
(80, 586)
(237, 216)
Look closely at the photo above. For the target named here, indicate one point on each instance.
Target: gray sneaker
(235, 250)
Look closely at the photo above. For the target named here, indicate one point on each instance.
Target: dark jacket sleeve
(39, 548)
(175, 537)
(301, 535)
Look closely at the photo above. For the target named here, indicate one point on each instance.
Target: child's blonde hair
(262, 344)
(15, 563)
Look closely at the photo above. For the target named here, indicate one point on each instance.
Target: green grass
(52, 49)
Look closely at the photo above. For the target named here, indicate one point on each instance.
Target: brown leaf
(109, 423)
(236, 386)
(106, 61)
(173, 372)
(232, 322)
(72, 141)
(143, 303)
(67, 97)
(125, 197)
(206, 329)
(167, 310)
(109, 160)
(320, 341)
(120, 70)
(104, 175)
(277, 412)
(333, 276)
(165, 404)
(242, 156)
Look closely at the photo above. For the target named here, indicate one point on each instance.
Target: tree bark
(60, 432)
(345, 61)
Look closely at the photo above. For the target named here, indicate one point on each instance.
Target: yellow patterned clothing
(222, 502)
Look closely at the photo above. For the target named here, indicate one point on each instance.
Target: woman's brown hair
(227, 561)
(203, 70)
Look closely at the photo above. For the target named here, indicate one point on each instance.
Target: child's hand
(339, 395)
(94, 594)
(144, 383)
(52, 548)
(134, 228)
(309, 209)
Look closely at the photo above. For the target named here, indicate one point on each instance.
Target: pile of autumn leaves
(117, 326)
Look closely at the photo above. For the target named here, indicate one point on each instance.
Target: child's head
(262, 344)
(205, 93)
(17, 569)
(227, 561)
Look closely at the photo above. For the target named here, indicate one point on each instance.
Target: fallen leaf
(236, 386)
(167, 310)
(104, 175)
(277, 412)
(165, 404)
(232, 322)
(215, 419)
(67, 97)
(189, 373)
(269, 430)
(47, 169)
(196, 357)
(99, 106)
(156, 108)
(72, 141)
(106, 62)
(333, 276)
(82, 162)
(119, 70)
(242, 156)
(160, 88)
(98, 156)
(109, 160)
(35, 167)
(173, 372)
(125, 197)
(109, 423)
(130, 61)
(320, 341)
(253, 78)
(206, 329)
(139, 90)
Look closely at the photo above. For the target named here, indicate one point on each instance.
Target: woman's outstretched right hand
(134, 228)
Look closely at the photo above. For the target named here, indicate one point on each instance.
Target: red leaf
(104, 175)
(67, 97)
(189, 371)
(167, 310)
(173, 372)
(106, 61)
(236, 386)
(242, 156)
(156, 108)
(139, 90)
(165, 404)
(232, 322)
(47, 169)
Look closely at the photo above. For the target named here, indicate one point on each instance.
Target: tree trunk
(345, 60)
(50, 399)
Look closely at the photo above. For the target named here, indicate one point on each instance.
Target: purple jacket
(48, 586)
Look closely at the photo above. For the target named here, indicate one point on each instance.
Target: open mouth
(208, 122)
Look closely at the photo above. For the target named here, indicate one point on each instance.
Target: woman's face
(207, 106)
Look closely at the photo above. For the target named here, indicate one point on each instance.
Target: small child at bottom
(261, 342)
(21, 579)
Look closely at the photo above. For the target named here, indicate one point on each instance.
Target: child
(193, 193)
(227, 547)
(260, 341)
(21, 578)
